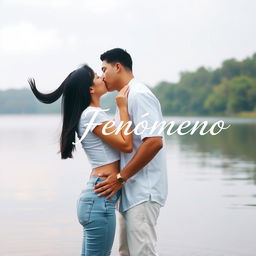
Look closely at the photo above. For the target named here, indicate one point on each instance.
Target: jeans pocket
(84, 209)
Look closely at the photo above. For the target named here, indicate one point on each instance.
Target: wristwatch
(120, 179)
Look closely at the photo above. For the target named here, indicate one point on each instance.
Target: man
(143, 173)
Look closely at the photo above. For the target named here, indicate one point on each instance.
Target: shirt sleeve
(146, 108)
(100, 117)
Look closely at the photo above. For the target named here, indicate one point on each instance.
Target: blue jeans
(97, 216)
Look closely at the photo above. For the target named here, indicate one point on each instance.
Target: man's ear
(118, 67)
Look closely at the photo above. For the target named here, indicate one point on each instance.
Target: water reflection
(232, 150)
(211, 179)
(236, 142)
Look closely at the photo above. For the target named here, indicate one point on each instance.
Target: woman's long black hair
(76, 97)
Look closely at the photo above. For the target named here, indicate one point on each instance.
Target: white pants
(137, 230)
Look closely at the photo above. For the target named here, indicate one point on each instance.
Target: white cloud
(94, 6)
(46, 3)
(101, 6)
(26, 38)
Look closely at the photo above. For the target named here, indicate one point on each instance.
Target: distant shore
(246, 114)
(237, 115)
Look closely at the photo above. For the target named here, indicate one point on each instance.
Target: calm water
(211, 208)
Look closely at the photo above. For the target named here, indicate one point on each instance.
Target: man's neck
(125, 81)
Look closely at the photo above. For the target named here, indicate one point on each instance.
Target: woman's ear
(91, 90)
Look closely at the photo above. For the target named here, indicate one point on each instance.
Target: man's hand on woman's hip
(109, 186)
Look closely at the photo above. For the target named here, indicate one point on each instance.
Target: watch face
(120, 179)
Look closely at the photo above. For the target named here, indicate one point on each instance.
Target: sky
(47, 39)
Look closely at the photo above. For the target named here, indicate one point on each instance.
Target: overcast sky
(47, 39)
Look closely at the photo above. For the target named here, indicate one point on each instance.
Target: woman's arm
(120, 141)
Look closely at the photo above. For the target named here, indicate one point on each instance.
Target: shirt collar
(132, 81)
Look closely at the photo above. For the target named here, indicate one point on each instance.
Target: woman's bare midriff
(106, 169)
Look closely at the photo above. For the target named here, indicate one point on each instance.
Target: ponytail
(76, 97)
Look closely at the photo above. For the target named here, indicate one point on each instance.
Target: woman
(81, 92)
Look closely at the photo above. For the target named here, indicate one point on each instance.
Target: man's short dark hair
(118, 55)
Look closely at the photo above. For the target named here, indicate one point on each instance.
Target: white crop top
(99, 153)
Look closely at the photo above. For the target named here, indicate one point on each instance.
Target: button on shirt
(149, 183)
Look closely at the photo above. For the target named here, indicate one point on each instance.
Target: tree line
(227, 90)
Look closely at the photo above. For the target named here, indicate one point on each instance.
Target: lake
(210, 211)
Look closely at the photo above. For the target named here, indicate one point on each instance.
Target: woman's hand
(117, 138)
(122, 97)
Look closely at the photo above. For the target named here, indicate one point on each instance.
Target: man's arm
(145, 153)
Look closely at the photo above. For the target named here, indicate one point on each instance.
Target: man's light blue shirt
(150, 183)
